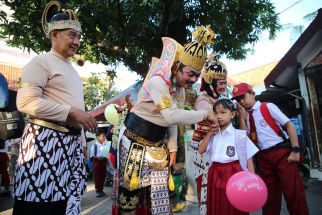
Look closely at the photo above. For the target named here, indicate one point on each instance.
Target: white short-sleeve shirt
(265, 134)
(99, 153)
(222, 146)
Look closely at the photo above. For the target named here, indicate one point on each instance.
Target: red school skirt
(217, 201)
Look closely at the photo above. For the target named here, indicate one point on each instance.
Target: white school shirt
(222, 146)
(99, 150)
(265, 134)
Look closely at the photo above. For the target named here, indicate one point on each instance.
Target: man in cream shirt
(50, 175)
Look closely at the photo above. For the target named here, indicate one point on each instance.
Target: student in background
(99, 163)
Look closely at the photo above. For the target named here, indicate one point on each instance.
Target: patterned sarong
(50, 167)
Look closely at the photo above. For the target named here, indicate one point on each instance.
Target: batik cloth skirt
(50, 167)
(201, 165)
(217, 201)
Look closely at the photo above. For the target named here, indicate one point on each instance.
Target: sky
(265, 50)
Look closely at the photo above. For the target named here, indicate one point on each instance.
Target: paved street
(92, 205)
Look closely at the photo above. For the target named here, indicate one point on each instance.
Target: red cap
(241, 89)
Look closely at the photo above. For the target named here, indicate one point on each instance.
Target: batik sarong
(50, 167)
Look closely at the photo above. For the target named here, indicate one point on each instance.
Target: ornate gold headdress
(48, 25)
(194, 53)
(214, 69)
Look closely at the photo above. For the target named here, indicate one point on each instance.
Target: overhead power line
(289, 7)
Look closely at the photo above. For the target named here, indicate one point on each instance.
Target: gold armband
(22, 84)
(166, 102)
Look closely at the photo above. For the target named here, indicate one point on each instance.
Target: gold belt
(141, 140)
(50, 125)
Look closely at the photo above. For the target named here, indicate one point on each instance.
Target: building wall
(254, 77)
(12, 74)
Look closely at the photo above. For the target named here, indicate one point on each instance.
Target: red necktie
(253, 135)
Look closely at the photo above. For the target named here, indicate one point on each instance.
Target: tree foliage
(98, 90)
(130, 31)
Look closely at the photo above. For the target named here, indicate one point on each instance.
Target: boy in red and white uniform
(279, 153)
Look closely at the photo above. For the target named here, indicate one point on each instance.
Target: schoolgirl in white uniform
(230, 151)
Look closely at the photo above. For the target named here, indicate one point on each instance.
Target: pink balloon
(246, 191)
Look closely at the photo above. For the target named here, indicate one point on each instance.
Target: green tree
(98, 90)
(130, 31)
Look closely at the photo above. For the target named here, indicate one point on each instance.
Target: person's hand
(214, 128)
(173, 157)
(118, 109)
(78, 118)
(293, 157)
(212, 118)
(241, 112)
(128, 102)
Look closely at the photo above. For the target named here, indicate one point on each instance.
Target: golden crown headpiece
(48, 25)
(194, 53)
(214, 69)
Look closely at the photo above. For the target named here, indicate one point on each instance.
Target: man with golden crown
(214, 84)
(144, 158)
(50, 175)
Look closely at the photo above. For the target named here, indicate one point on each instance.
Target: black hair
(226, 103)
(178, 65)
(99, 132)
(109, 133)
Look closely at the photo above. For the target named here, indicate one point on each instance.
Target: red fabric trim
(166, 81)
(269, 119)
(199, 185)
(202, 87)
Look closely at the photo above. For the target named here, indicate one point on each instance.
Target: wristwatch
(296, 149)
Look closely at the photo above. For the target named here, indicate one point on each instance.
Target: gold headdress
(49, 22)
(214, 69)
(194, 53)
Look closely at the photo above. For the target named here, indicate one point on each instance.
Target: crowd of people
(50, 175)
